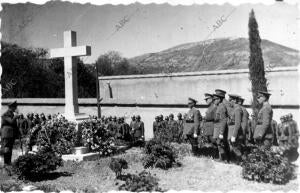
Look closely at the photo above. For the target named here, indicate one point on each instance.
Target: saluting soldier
(192, 124)
(208, 119)
(263, 133)
(220, 126)
(9, 132)
(245, 120)
(235, 132)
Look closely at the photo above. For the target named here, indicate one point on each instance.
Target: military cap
(156, 117)
(171, 115)
(220, 92)
(207, 96)
(13, 104)
(179, 115)
(161, 116)
(218, 95)
(233, 96)
(241, 99)
(138, 116)
(290, 115)
(192, 100)
(263, 93)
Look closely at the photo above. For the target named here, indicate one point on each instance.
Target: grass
(196, 173)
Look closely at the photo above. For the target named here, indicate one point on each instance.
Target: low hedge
(267, 166)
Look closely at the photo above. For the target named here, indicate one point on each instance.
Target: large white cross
(69, 53)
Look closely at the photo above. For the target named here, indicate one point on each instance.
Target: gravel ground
(196, 173)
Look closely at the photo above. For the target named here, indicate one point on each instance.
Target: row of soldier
(226, 125)
(16, 126)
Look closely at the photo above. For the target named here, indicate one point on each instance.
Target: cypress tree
(256, 62)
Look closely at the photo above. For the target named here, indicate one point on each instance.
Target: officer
(294, 127)
(180, 126)
(9, 132)
(132, 121)
(294, 144)
(156, 126)
(22, 125)
(191, 125)
(274, 126)
(208, 120)
(172, 124)
(220, 126)
(283, 131)
(245, 121)
(235, 135)
(139, 130)
(227, 104)
(263, 133)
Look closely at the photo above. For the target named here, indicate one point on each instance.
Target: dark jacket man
(9, 132)
(263, 133)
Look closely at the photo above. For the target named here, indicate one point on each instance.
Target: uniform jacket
(245, 121)
(180, 126)
(208, 122)
(263, 127)
(192, 122)
(9, 127)
(220, 121)
(139, 129)
(235, 125)
(284, 132)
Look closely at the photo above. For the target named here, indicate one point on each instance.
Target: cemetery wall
(174, 89)
(150, 95)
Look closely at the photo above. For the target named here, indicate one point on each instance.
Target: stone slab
(80, 157)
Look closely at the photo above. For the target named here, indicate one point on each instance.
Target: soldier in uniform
(22, 125)
(9, 132)
(220, 126)
(172, 124)
(295, 130)
(227, 104)
(139, 130)
(132, 121)
(180, 126)
(235, 136)
(156, 126)
(263, 133)
(208, 120)
(274, 126)
(191, 125)
(245, 120)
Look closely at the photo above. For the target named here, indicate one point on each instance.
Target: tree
(112, 63)
(256, 62)
(28, 73)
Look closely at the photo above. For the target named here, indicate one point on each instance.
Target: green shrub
(30, 166)
(267, 166)
(159, 154)
(143, 182)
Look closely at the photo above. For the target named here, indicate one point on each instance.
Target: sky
(134, 30)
